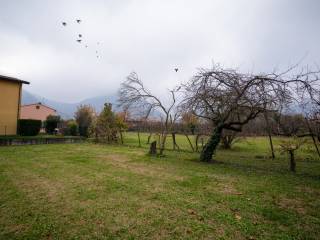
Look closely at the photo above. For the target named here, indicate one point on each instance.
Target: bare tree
(135, 96)
(229, 99)
(290, 146)
(228, 138)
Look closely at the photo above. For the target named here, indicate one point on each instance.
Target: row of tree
(106, 126)
(221, 102)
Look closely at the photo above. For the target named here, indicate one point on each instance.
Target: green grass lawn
(91, 191)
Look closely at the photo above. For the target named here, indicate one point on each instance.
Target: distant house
(36, 111)
(10, 100)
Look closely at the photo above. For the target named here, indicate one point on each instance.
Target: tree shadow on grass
(245, 168)
(276, 169)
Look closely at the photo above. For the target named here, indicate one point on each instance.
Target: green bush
(83, 131)
(52, 123)
(72, 127)
(29, 127)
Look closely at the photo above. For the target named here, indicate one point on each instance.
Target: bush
(72, 128)
(84, 131)
(68, 128)
(52, 123)
(29, 127)
(84, 117)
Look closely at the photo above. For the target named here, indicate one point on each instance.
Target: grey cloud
(150, 37)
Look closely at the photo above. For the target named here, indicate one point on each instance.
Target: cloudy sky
(151, 37)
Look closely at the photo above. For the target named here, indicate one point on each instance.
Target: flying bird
(86, 46)
(80, 35)
(79, 40)
(64, 23)
(176, 69)
(78, 20)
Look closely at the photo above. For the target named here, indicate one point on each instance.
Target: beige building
(10, 97)
(36, 111)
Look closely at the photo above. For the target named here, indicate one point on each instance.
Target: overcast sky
(151, 37)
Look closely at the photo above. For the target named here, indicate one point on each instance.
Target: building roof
(39, 103)
(11, 79)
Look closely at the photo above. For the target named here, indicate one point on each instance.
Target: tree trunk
(313, 138)
(190, 143)
(197, 141)
(163, 144)
(173, 141)
(121, 137)
(271, 146)
(211, 146)
(175, 145)
(149, 137)
(269, 135)
(292, 161)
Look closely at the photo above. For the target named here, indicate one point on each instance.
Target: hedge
(29, 127)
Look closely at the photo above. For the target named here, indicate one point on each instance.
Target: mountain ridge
(67, 110)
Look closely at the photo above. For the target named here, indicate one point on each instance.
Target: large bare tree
(230, 99)
(133, 95)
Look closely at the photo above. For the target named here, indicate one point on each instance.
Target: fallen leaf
(238, 217)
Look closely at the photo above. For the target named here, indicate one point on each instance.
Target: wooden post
(139, 139)
(153, 148)
(292, 161)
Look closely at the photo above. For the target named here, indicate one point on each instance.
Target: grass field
(91, 191)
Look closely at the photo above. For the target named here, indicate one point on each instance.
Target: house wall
(36, 111)
(10, 93)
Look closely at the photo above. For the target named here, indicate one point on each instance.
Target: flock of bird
(79, 40)
(80, 36)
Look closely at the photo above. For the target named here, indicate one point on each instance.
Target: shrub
(52, 123)
(105, 127)
(72, 128)
(68, 128)
(29, 127)
(84, 117)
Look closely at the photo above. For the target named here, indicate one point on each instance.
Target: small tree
(135, 96)
(72, 128)
(121, 123)
(51, 123)
(84, 117)
(290, 146)
(228, 138)
(105, 128)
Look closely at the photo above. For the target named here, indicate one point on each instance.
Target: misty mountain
(66, 110)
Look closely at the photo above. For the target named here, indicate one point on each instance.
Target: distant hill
(66, 110)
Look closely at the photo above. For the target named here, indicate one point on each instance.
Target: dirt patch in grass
(37, 186)
(227, 185)
(229, 190)
(122, 161)
(292, 204)
(309, 190)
